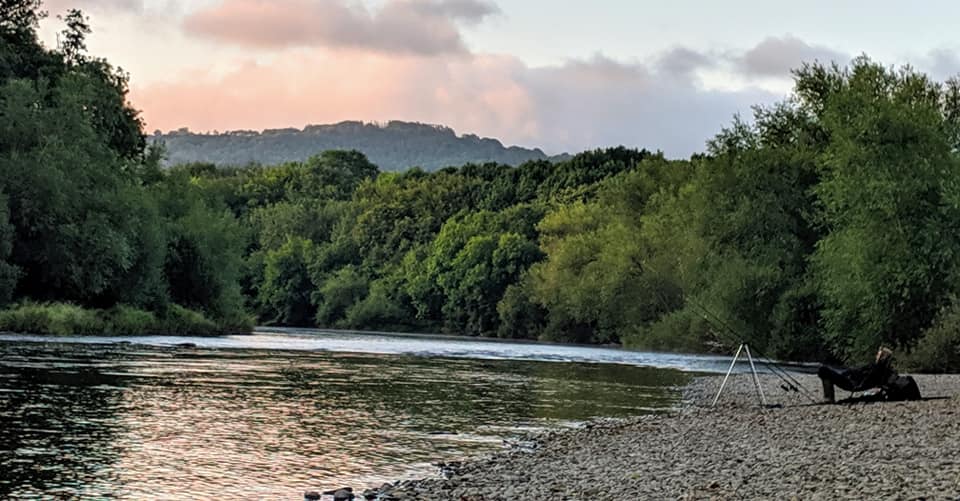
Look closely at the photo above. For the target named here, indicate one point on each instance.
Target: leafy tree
(889, 199)
(73, 39)
(594, 283)
(343, 290)
(203, 259)
(8, 272)
(751, 208)
(520, 316)
(381, 308)
(74, 210)
(399, 212)
(472, 261)
(285, 292)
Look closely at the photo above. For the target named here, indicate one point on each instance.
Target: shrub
(236, 323)
(180, 321)
(58, 319)
(938, 350)
(682, 330)
(64, 319)
(377, 310)
(126, 321)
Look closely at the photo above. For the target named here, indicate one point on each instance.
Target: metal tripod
(753, 368)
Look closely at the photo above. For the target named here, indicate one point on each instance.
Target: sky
(562, 75)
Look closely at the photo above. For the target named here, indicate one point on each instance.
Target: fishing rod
(789, 382)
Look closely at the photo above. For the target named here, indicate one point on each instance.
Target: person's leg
(827, 376)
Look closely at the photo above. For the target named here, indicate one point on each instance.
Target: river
(283, 411)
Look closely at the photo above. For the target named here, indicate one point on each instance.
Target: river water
(271, 415)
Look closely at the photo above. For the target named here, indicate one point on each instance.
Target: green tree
(286, 289)
(889, 198)
(594, 283)
(76, 214)
(8, 272)
(203, 258)
(73, 38)
(343, 290)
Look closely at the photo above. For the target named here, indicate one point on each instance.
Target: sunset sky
(561, 75)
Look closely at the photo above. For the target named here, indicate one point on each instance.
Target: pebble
(736, 450)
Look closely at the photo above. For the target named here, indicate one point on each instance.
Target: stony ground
(903, 450)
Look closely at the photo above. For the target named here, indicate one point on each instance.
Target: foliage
(889, 199)
(178, 320)
(58, 319)
(65, 319)
(88, 223)
(285, 293)
(8, 272)
(938, 350)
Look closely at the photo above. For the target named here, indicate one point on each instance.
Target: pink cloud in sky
(578, 105)
(401, 26)
(478, 93)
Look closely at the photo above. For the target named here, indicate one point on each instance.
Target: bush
(58, 319)
(520, 316)
(377, 310)
(126, 321)
(238, 322)
(938, 350)
(179, 321)
(64, 319)
(681, 330)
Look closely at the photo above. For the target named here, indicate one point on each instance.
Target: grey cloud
(60, 6)
(776, 56)
(601, 102)
(424, 27)
(943, 63)
(681, 61)
(470, 11)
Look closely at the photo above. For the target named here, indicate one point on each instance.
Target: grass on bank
(64, 319)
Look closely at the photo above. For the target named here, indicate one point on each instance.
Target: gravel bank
(902, 450)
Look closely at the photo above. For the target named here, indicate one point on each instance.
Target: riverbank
(65, 319)
(736, 450)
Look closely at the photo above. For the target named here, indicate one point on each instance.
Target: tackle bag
(902, 388)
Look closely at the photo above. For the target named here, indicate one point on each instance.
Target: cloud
(943, 63)
(573, 106)
(60, 6)
(427, 27)
(683, 62)
(776, 56)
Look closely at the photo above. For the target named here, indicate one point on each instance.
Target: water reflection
(136, 422)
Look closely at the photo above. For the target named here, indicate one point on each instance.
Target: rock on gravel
(737, 450)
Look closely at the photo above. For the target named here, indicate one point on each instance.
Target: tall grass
(64, 319)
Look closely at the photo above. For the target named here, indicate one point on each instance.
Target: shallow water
(265, 417)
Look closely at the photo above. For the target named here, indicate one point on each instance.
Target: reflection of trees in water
(413, 391)
(580, 391)
(470, 393)
(55, 431)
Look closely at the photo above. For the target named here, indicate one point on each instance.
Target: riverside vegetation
(824, 226)
(94, 238)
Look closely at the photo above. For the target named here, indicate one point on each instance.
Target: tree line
(820, 227)
(86, 215)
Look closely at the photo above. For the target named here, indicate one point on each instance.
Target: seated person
(877, 374)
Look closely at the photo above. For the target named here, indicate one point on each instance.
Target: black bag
(902, 388)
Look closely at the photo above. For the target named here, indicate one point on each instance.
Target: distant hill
(394, 146)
